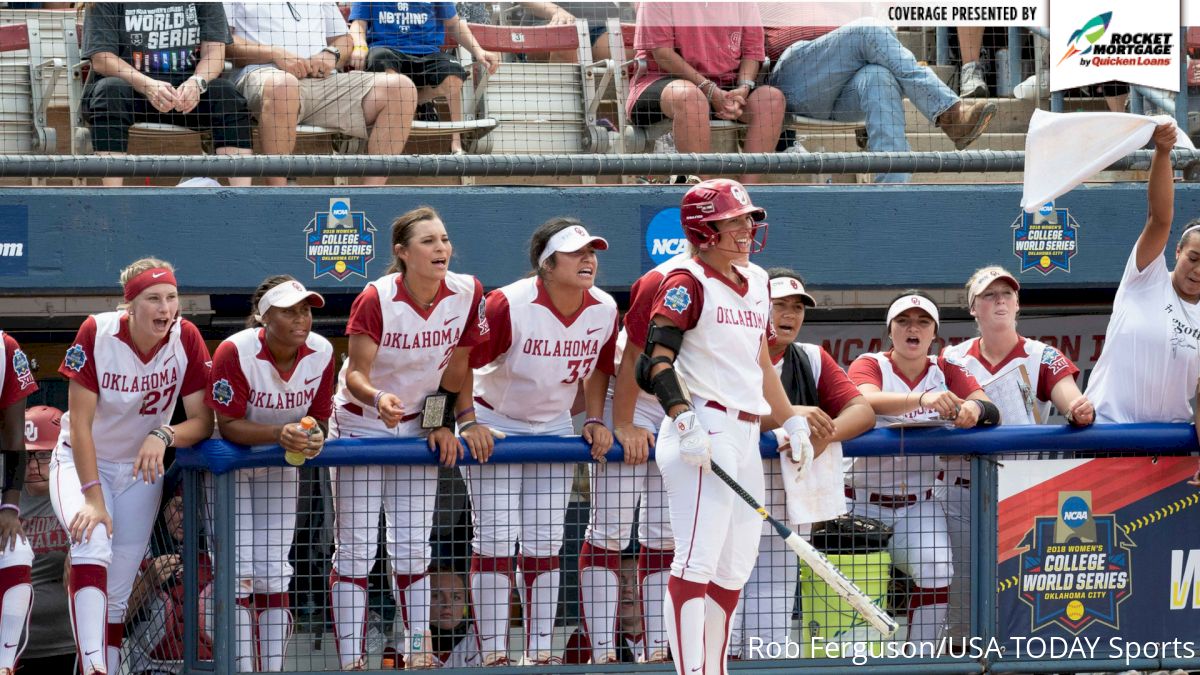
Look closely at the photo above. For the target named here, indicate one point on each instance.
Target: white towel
(1064, 149)
(819, 493)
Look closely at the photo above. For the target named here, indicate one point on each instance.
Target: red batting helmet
(714, 200)
(42, 425)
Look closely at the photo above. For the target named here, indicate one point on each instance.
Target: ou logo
(31, 431)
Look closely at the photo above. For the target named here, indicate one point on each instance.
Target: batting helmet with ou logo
(714, 200)
(42, 426)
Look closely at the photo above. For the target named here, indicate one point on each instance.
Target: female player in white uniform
(1022, 377)
(411, 334)
(127, 370)
(264, 380)
(551, 333)
(828, 400)
(617, 490)
(710, 323)
(1150, 366)
(907, 385)
(16, 555)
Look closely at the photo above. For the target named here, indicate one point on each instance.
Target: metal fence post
(191, 569)
(983, 546)
(224, 574)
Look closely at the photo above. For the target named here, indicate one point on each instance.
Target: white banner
(1138, 43)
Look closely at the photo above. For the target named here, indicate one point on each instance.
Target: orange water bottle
(309, 425)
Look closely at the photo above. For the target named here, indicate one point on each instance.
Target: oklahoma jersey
(532, 366)
(136, 394)
(247, 385)
(724, 328)
(912, 474)
(410, 337)
(1021, 383)
(648, 411)
(16, 376)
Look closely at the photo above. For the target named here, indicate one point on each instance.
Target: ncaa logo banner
(1095, 42)
(339, 242)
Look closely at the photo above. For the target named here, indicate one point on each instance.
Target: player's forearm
(246, 432)
(894, 403)
(199, 423)
(856, 419)
(595, 392)
(212, 60)
(625, 390)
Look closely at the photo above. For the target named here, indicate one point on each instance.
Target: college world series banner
(1099, 549)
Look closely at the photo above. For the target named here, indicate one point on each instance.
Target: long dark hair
(266, 285)
(402, 232)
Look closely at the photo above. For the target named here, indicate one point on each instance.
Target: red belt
(891, 501)
(741, 415)
(356, 409)
(483, 403)
(958, 480)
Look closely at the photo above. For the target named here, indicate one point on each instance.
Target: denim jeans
(861, 72)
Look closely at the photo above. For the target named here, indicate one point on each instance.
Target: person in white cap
(264, 380)
(127, 369)
(813, 380)
(1150, 366)
(907, 385)
(412, 332)
(706, 362)
(1023, 377)
(552, 333)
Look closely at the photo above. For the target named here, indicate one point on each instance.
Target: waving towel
(1064, 149)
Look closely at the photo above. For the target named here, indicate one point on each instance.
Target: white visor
(569, 240)
(287, 294)
(907, 302)
(986, 280)
(782, 287)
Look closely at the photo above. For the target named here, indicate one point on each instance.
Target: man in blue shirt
(407, 38)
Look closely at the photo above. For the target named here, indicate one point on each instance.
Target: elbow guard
(670, 337)
(989, 414)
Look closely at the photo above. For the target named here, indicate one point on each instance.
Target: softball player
(264, 380)
(813, 380)
(411, 333)
(620, 488)
(16, 555)
(709, 329)
(127, 370)
(906, 385)
(1022, 377)
(551, 334)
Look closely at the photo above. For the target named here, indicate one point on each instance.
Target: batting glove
(796, 428)
(694, 446)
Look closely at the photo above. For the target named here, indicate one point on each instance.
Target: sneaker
(970, 81)
(1029, 89)
(496, 660)
(964, 122)
(542, 659)
(658, 656)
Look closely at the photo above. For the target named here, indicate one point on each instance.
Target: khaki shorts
(334, 102)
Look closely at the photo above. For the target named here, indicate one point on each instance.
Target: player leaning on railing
(264, 380)
(411, 336)
(710, 323)
(128, 369)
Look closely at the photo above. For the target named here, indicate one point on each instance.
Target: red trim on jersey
(476, 331)
(689, 316)
(124, 335)
(958, 379)
(499, 318)
(1050, 374)
(913, 383)
(712, 273)
(866, 370)
(322, 405)
(366, 315)
(695, 520)
(199, 359)
(606, 362)
(641, 304)
(13, 390)
(834, 388)
(85, 339)
(543, 298)
(402, 295)
(226, 365)
(264, 354)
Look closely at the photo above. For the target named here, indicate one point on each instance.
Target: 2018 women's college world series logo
(340, 242)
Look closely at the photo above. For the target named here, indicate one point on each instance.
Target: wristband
(11, 507)
(467, 425)
(378, 395)
(464, 413)
(749, 84)
(920, 399)
(162, 436)
(594, 420)
(89, 485)
(170, 431)
(361, 48)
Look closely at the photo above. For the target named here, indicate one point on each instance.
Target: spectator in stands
(906, 385)
(409, 42)
(595, 13)
(143, 72)
(971, 83)
(862, 71)
(818, 386)
(703, 61)
(289, 58)
(1150, 366)
(50, 647)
